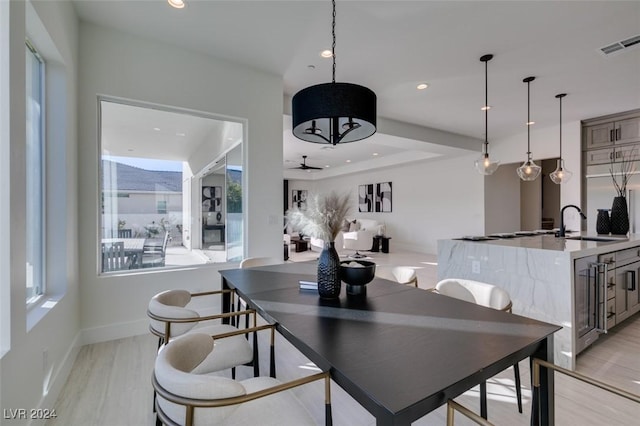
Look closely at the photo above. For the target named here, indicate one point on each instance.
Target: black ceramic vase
(619, 216)
(329, 272)
(603, 222)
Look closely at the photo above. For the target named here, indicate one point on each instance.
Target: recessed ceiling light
(326, 53)
(530, 123)
(327, 166)
(422, 86)
(181, 134)
(157, 129)
(178, 4)
(311, 67)
(485, 108)
(348, 161)
(375, 154)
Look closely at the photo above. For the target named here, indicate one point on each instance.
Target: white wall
(28, 378)
(531, 203)
(502, 189)
(551, 202)
(545, 144)
(449, 199)
(432, 200)
(118, 65)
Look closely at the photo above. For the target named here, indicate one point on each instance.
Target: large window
(35, 188)
(164, 188)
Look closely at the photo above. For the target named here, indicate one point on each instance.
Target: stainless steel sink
(597, 238)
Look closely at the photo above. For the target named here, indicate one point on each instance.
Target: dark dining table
(400, 351)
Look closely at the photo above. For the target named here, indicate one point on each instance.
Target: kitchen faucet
(562, 230)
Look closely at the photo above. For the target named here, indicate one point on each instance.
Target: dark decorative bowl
(356, 274)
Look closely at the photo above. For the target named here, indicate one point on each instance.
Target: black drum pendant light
(560, 175)
(484, 165)
(334, 112)
(529, 170)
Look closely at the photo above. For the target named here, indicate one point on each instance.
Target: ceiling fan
(303, 165)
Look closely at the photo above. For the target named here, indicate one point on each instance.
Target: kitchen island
(539, 272)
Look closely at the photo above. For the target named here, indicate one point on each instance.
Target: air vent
(620, 45)
(631, 41)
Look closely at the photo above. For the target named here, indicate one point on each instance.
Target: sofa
(356, 234)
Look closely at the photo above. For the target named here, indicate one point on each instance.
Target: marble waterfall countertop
(536, 270)
(569, 244)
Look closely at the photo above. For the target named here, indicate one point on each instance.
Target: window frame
(161, 206)
(40, 286)
(229, 145)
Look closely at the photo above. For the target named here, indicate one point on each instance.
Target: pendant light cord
(528, 80)
(560, 97)
(486, 107)
(333, 46)
(529, 119)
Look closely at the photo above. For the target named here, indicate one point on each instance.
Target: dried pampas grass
(323, 216)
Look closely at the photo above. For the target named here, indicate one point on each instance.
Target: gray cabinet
(619, 297)
(607, 301)
(611, 139)
(627, 300)
(614, 132)
(614, 154)
(627, 131)
(598, 135)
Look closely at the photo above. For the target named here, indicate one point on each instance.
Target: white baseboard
(114, 331)
(85, 337)
(57, 380)
(415, 248)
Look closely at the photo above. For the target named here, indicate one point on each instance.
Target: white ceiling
(391, 46)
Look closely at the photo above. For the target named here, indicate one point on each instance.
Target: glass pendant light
(484, 165)
(529, 170)
(560, 175)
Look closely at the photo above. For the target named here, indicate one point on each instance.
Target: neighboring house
(141, 200)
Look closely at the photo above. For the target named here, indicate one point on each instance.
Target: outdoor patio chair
(154, 252)
(113, 257)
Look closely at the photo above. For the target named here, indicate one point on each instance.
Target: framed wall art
(383, 197)
(365, 198)
(211, 198)
(299, 198)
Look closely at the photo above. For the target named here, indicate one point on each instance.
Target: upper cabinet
(598, 135)
(627, 131)
(611, 138)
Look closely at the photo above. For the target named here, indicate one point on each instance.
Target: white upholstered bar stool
(190, 397)
(171, 317)
(488, 295)
(401, 274)
(251, 262)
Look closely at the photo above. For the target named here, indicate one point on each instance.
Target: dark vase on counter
(619, 216)
(329, 283)
(603, 222)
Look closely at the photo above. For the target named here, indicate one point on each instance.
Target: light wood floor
(110, 385)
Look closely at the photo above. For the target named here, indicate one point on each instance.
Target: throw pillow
(345, 226)
(354, 226)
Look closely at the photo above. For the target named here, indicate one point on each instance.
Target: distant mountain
(235, 175)
(135, 179)
(132, 178)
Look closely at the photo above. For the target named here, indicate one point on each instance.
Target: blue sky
(147, 163)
